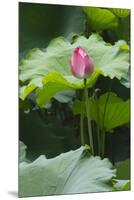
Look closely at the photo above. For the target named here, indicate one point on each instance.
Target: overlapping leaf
(109, 111)
(49, 69)
(71, 172)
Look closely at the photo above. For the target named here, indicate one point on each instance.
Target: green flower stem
(103, 129)
(99, 140)
(88, 118)
(98, 124)
(82, 128)
(102, 144)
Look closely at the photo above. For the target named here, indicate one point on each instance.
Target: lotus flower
(82, 64)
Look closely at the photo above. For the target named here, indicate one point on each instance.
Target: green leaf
(100, 18)
(69, 173)
(123, 170)
(22, 151)
(65, 96)
(49, 69)
(121, 185)
(126, 80)
(26, 90)
(117, 111)
(120, 12)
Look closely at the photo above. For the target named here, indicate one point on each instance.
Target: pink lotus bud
(81, 63)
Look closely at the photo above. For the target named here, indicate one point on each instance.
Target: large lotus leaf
(117, 111)
(100, 19)
(72, 172)
(51, 67)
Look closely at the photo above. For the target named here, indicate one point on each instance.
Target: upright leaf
(109, 111)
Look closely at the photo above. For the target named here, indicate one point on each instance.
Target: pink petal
(89, 65)
(77, 64)
(81, 64)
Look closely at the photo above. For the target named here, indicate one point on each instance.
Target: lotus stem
(88, 118)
